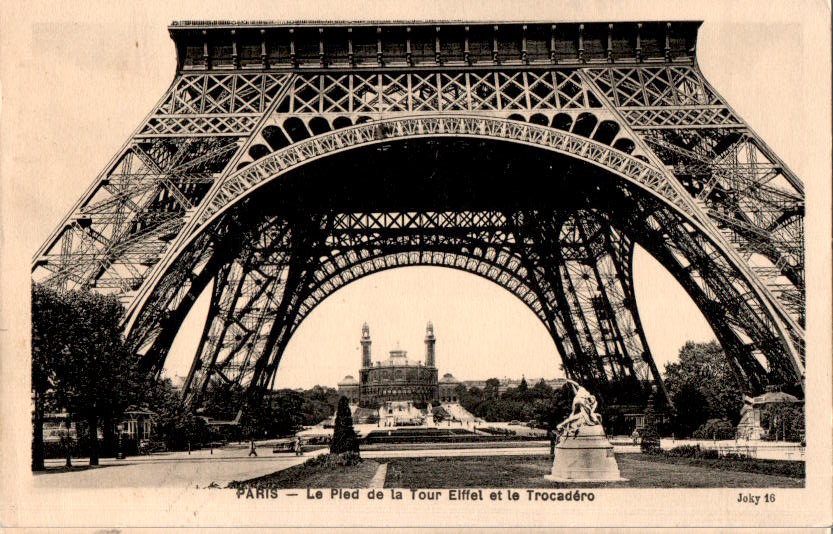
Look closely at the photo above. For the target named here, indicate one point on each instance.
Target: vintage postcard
(439, 265)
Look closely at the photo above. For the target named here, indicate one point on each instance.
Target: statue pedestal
(585, 456)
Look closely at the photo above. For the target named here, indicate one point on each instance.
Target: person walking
(252, 449)
(635, 436)
(298, 451)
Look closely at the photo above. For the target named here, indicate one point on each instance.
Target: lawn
(529, 471)
(787, 468)
(316, 476)
(472, 445)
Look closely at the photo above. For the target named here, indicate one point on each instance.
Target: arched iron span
(638, 141)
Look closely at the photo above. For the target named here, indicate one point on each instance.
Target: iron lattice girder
(592, 300)
(486, 245)
(721, 292)
(242, 182)
(741, 184)
(588, 262)
(125, 222)
(625, 97)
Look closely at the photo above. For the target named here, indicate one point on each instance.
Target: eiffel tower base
(585, 456)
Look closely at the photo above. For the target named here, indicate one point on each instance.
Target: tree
(344, 436)
(491, 389)
(650, 435)
(50, 318)
(222, 400)
(439, 414)
(174, 425)
(554, 408)
(542, 389)
(80, 357)
(704, 367)
(783, 422)
(523, 386)
(691, 409)
(285, 414)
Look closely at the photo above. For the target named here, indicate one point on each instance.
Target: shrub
(694, 451)
(715, 429)
(56, 449)
(708, 454)
(734, 456)
(334, 460)
(732, 462)
(684, 451)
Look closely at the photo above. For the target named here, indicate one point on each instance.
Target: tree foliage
(222, 400)
(783, 422)
(80, 362)
(539, 403)
(715, 429)
(280, 413)
(491, 389)
(174, 426)
(702, 386)
(344, 435)
(691, 409)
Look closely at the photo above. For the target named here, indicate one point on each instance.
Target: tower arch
(184, 203)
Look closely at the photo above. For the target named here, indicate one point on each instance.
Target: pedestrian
(252, 449)
(298, 451)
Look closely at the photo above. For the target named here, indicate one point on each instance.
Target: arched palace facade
(398, 378)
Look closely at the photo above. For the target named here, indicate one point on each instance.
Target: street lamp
(120, 452)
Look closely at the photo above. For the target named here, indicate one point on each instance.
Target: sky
(82, 78)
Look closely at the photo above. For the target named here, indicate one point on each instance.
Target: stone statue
(583, 453)
(583, 411)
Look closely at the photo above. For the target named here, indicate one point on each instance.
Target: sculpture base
(585, 456)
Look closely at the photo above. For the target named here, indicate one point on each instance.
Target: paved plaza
(200, 469)
(203, 469)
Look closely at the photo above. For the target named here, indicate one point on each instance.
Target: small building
(636, 420)
(349, 387)
(137, 424)
(448, 388)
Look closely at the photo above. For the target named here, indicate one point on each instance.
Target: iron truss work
(204, 196)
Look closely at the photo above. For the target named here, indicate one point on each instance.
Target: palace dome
(349, 381)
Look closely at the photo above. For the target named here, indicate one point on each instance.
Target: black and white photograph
(319, 264)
